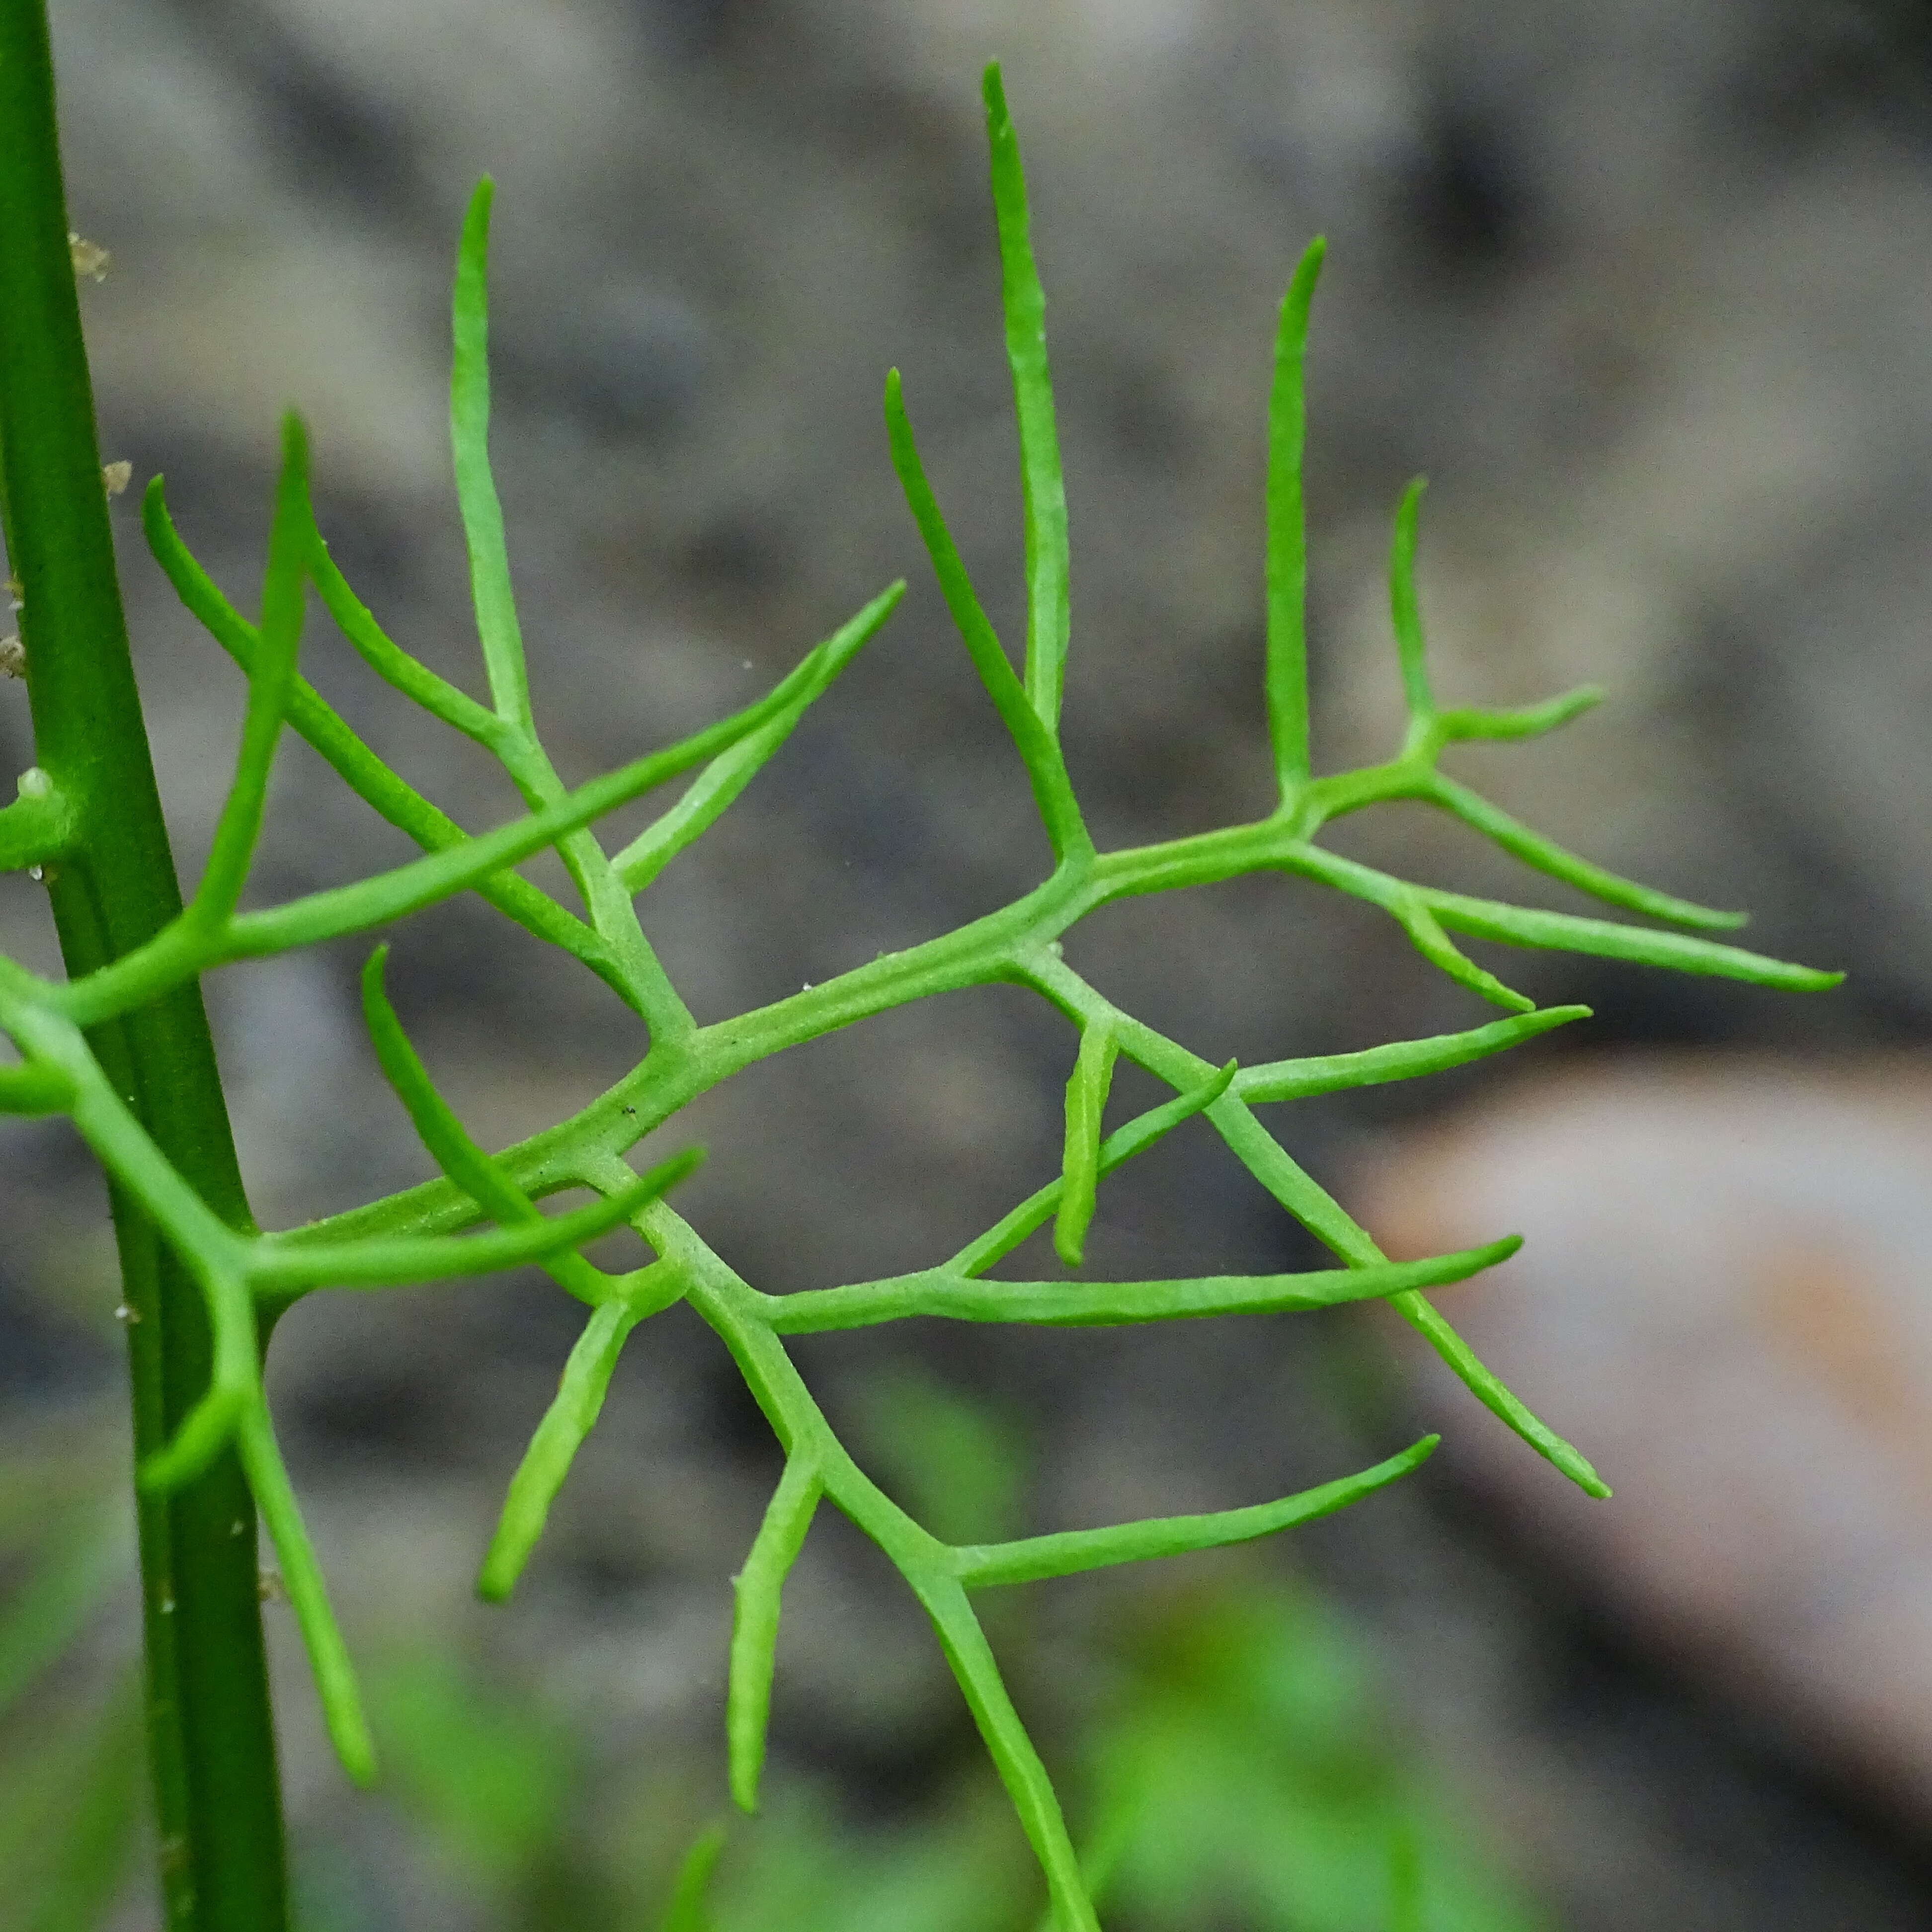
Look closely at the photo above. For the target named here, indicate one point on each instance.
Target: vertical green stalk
(210, 1729)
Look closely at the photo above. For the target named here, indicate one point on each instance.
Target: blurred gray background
(1642, 288)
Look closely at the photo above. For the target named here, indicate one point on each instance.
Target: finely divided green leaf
(1012, 944)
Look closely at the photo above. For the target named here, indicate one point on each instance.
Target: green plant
(122, 1046)
(1236, 1768)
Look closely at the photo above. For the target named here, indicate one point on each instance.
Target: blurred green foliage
(1232, 1762)
(72, 1769)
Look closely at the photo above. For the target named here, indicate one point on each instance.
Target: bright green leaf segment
(420, 1234)
(1087, 1090)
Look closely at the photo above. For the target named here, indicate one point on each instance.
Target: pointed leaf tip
(1299, 293)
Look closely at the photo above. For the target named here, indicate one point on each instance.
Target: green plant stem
(113, 887)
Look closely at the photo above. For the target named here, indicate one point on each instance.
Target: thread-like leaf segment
(688, 1910)
(960, 1298)
(184, 950)
(1556, 931)
(322, 727)
(387, 658)
(1033, 738)
(755, 1621)
(34, 1090)
(1087, 1089)
(336, 1687)
(718, 785)
(1406, 611)
(1546, 856)
(1028, 1787)
(497, 629)
(271, 682)
(1308, 1203)
(1285, 674)
(276, 1269)
(570, 1416)
(449, 1141)
(1034, 1559)
(1042, 491)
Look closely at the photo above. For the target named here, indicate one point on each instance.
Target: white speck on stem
(89, 258)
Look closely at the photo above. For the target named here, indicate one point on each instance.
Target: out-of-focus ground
(1645, 288)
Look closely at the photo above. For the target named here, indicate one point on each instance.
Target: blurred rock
(1725, 1299)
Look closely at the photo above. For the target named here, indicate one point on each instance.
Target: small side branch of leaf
(958, 1298)
(569, 1419)
(718, 785)
(1286, 677)
(1087, 1089)
(1042, 492)
(756, 1589)
(1038, 749)
(1034, 1559)
(497, 629)
(271, 682)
